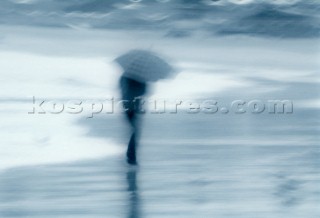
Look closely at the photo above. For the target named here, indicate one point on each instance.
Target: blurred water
(191, 165)
(243, 166)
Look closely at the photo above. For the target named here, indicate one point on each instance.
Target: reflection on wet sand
(134, 207)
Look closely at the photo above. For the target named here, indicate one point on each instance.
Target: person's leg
(132, 89)
(131, 150)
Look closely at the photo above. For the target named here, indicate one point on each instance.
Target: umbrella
(144, 66)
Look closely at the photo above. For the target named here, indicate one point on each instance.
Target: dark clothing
(130, 90)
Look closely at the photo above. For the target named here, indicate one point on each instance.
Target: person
(131, 90)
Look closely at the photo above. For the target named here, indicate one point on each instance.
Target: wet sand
(176, 178)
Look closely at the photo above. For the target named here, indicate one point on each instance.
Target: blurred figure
(130, 91)
(140, 67)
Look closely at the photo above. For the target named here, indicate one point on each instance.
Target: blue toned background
(191, 165)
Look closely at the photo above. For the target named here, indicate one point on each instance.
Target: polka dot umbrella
(144, 66)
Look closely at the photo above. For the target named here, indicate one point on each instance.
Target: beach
(225, 174)
(225, 163)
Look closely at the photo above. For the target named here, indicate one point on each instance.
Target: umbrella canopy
(144, 66)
